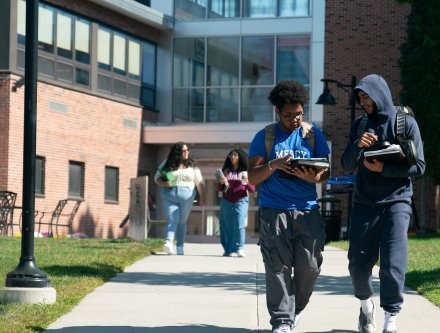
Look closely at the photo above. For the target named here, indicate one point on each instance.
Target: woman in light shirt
(179, 176)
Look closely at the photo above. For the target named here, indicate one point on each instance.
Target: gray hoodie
(393, 184)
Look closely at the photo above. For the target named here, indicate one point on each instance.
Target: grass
(423, 273)
(75, 267)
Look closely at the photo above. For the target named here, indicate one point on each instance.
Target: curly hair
(175, 158)
(288, 92)
(242, 161)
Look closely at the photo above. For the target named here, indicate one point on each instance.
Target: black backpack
(406, 143)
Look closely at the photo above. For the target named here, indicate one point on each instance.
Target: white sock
(367, 306)
(390, 322)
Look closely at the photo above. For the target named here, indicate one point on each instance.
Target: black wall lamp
(18, 84)
(326, 98)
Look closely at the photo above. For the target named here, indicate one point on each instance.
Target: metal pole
(27, 273)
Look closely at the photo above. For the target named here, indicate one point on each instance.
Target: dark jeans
(291, 244)
(379, 231)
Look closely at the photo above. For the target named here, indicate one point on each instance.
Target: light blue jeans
(177, 203)
(232, 220)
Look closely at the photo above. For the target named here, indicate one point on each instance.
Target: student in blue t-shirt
(292, 230)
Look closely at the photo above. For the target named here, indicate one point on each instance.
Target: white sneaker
(241, 254)
(296, 320)
(283, 328)
(179, 250)
(367, 322)
(168, 248)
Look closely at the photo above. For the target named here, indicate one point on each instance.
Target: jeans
(233, 218)
(177, 203)
(291, 245)
(379, 232)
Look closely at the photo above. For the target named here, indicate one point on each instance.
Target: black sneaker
(367, 322)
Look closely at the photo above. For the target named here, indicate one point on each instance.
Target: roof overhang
(138, 12)
(200, 133)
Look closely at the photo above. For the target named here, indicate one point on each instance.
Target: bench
(7, 205)
(61, 217)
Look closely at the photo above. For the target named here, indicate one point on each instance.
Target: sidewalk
(203, 292)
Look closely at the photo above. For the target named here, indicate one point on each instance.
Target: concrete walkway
(203, 292)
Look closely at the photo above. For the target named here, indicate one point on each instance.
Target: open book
(392, 153)
(317, 163)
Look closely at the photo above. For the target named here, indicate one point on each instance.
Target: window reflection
(224, 8)
(293, 58)
(236, 87)
(223, 61)
(258, 60)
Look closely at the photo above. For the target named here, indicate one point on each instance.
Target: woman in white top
(179, 176)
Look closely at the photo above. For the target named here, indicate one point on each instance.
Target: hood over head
(377, 88)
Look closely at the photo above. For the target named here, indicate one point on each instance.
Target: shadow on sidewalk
(166, 329)
(242, 281)
(338, 285)
(169, 329)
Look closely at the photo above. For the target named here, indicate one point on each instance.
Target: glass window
(82, 41)
(45, 29)
(189, 62)
(222, 105)
(40, 172)
(188, 105)
(190, 9)
(104, 48)
(293, 58)
(148, 83)
(224, 8)
(21, 21)
(111, 184)
(119, 53)
(64, 35)
(259, 8)
(294, 8)
(257, 65)
(76, 179)
(134, 59)
(255, 106)
(223, 61)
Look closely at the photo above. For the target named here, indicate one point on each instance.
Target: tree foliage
(420, 76)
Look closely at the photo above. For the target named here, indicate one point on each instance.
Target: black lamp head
(326, 98)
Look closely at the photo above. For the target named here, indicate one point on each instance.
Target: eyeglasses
(289, 116)
(233, 155)
(185, 150)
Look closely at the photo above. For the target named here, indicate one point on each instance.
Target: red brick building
(120, 81)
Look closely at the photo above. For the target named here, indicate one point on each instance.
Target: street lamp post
(326, 98)
(27, 274)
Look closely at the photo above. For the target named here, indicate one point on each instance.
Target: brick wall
(361, 38)
(93, 131)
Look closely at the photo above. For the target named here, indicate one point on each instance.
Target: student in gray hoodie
(382, 205)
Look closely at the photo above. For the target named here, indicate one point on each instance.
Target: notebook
(393, 154)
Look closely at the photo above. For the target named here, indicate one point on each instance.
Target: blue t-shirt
(288, 193)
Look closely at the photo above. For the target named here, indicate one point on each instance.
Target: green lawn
(423, 265)
(78, 266)
(75, 268)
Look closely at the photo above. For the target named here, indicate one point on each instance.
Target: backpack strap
(269, 138)
(307, 133)
(401, 122)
